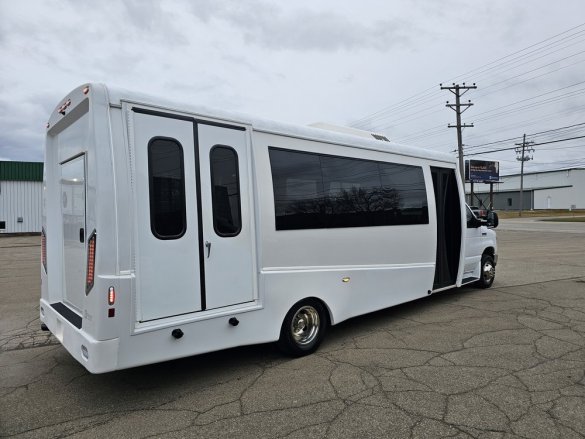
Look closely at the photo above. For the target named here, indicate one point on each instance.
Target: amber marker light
(44, 249)
(111, 296)
(90, 274)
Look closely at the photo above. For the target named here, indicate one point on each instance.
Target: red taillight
(89, 278)
(44, 249)
(111, 296)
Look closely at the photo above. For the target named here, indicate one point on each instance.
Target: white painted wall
(561, 198)
(21, 199)
(544, 185)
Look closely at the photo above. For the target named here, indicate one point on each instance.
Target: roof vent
(380, 137)
(349, 130)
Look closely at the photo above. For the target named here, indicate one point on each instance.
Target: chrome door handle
(208, 247)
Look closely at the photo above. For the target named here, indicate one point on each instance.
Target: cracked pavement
(508, 362)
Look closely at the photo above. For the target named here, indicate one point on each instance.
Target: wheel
(487, 271)
(303, 328)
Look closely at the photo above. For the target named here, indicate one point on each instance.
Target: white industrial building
(561, 189)
(21, 186)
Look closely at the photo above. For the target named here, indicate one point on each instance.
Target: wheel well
(489, 251)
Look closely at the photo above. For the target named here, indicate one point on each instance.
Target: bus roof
(119, 95)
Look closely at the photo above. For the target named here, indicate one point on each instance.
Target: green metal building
(21, 187)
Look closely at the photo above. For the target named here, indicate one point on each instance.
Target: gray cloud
(269, 26)
(325, 32)
(297, 61)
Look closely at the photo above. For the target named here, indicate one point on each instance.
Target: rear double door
(193, 238)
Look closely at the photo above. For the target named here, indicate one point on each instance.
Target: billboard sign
(479, 171)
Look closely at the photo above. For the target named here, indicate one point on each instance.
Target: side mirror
(492, 219)
(474, 222)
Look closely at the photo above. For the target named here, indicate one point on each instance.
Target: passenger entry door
(448, 215)
(167, 239)
(227, 228)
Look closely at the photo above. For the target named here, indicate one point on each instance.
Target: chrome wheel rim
(489, 272)
(305, 325)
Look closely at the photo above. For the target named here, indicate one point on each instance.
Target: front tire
(487, 272)
(303, 328)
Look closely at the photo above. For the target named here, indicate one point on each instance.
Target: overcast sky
(307, 61)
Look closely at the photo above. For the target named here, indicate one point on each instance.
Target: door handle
(81, 235)
(208, 247)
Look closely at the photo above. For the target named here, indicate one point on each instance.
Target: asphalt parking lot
(508, 362)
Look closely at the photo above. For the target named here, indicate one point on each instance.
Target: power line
(436, 130)
(428, 110)
(530, 135)
(563, 148)
(526, 48)
(418, 97)
(530, 71)
(533, 144)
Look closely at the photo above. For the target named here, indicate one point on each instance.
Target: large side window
(225, 184)
(405, 186)
(353, 192)
(313, 191)
(167, 188)
(298, 190)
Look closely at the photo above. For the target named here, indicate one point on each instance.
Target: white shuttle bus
(172, 230)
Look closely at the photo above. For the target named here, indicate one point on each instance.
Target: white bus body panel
(255, 276)
(386, 265)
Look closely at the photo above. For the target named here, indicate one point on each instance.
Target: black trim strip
(468, 280)
(199, 217)
(71, 316)
(187, 118)
(70, 159)
(220, 125)
(161, 114)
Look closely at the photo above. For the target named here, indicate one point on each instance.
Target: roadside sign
(480, 171)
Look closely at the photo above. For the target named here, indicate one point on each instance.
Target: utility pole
(458, 91)
(521, 150)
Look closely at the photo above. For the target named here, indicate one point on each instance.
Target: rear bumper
(95, 355)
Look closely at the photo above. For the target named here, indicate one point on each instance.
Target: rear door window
(168, 218)
(225, 187)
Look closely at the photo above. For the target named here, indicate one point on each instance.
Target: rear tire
(487, 272)
(303, 328)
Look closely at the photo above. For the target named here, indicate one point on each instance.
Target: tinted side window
(314, 191)
(298, 190)
(225, 185)
(353, 192)
(405, 186)
(167, 188)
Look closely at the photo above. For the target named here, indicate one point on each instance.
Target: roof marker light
(86, 89)
(64, 106)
